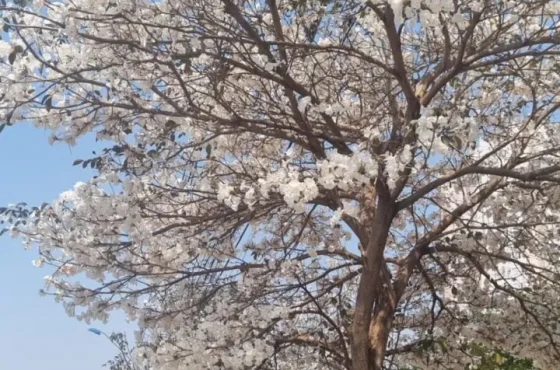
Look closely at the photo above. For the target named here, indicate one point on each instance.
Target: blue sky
(35, 333)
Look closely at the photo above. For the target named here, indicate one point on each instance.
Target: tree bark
(369, 286)
(379, 333)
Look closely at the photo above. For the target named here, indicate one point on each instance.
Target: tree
(124, 359)
(498, 360)
(480, 357)
(337, 184)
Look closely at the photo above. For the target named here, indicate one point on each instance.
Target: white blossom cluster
(263, 157)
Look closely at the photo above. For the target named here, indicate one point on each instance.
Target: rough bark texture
(368, 288)
(379, 332)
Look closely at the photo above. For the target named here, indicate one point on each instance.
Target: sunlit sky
(35, 333)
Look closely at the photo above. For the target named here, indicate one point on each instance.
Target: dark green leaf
(118, 149)
(170, 124)
(48, 104)
(12, 57)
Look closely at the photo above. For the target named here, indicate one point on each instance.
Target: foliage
(124, 360)
(299, 184)
(499, 360)
(477, 357)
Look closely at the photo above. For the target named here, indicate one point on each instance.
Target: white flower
(5, 48)
(337, 215)
(38, 262)
(303, 103)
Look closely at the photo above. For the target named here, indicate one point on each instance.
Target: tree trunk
(381, 326)
(369, 287)
(379, 336)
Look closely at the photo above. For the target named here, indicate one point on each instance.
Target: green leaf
(452, 141)
(12, 57)
(443, 344)
(170, 124)
(498, 358)
(48, 103)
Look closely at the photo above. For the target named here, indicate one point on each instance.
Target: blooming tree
(300, 184)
